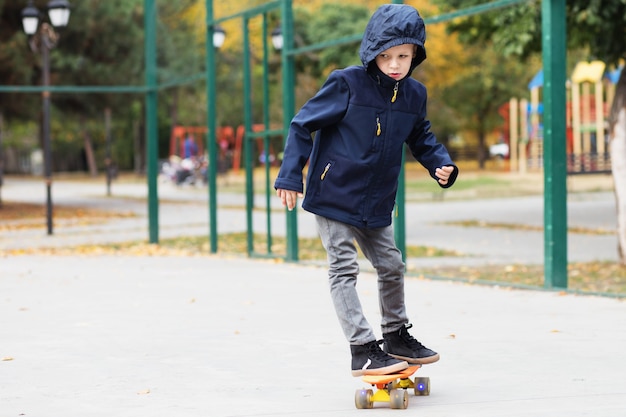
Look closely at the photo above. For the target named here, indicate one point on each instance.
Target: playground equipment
(230, 143)
(589, 94)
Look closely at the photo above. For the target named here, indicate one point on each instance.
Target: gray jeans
(379, 248)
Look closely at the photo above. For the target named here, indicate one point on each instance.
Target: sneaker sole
(391, 369)
(420, 361)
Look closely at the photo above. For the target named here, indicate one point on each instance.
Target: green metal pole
(152, 139)
(289, 70)
(248, 137)
(211, 143)
(400, 215)
(399, 223)
(266, 138)
(555, 170)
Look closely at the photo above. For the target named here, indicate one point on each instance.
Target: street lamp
(43, 38)
(277, 38)
(219, 36)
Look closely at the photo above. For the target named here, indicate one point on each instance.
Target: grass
(17, 216)
(495, 225)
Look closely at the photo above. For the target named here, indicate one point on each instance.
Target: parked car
(499, 150)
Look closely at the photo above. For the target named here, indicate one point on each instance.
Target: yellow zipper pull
(325, 171)
(378, 129)
(395, 93)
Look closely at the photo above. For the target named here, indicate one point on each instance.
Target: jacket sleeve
(427, 151)
(326, 108)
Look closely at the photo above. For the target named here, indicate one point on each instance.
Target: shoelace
(375, 352)
(411, 341)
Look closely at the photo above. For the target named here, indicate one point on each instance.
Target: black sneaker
(401, 345)
(369, 359)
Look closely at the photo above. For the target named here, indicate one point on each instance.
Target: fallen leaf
(144, 392)
(7, 359)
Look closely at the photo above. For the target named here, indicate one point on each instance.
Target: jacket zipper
(326, 168)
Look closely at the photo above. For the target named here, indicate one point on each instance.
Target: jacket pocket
(340, 184)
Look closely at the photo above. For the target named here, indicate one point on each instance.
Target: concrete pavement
(205, 336)
(211, 336)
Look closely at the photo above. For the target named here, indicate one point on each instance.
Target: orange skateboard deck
(392, 389)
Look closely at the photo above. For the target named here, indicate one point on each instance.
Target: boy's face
(396, 61)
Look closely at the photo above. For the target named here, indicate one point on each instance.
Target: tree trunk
(617, 135)
(481, 148)
(1, 156)
(91, 160)
(138, 155)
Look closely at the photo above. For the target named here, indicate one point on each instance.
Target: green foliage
(102, 45)
(599, 25)
(21, 136)
(513, 30)
(488, 81)
(334, 21)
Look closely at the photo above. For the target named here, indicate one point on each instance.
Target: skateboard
(392, 389)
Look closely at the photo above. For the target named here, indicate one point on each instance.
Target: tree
(600, 26)
(486, 82)
(102, 45)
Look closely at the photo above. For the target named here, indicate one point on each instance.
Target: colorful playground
(590, 90)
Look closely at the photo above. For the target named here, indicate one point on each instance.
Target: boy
(363, 116)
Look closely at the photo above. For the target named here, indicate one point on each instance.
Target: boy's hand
(443, 174)
(288, 197)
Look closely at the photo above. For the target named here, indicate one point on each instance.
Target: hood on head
(392, 25)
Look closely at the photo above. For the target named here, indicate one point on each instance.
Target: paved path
(169, 336)
(184, 211)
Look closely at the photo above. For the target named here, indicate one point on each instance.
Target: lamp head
(30, 18)
(219, 36)
(59, 12)
(277, 38)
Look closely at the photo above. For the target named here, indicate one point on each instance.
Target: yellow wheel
(398, 399)
(363, 398)
(422, 385)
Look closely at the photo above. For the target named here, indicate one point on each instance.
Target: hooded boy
(362, 117)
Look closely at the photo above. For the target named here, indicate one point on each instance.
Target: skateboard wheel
(363, 398)
(422, 385)
(398, 399)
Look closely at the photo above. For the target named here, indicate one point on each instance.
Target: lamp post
(219, 36)
(42, 39)
(277, 38)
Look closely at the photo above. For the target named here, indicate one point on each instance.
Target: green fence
(553, 27)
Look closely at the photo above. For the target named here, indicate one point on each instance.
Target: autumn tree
(486, 82)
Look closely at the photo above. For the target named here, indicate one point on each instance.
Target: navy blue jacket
(356, 154)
